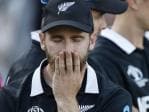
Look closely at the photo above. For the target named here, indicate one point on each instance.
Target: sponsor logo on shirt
(35, 109)
(137, 75)
(85, 108)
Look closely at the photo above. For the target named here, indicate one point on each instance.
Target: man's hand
(67, 80)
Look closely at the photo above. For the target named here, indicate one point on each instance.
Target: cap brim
(83, 27)
(110, 6)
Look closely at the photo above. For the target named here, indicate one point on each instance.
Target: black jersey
(125, 65)
(97, 94)
(28, 63)
(30, 60)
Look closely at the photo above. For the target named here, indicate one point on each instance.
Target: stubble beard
(51, 60)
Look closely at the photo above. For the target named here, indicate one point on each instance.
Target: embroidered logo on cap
(64, 6)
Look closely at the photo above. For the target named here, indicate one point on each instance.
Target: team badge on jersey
(137, 75)
(35, 109)
(126, 108)
(44, 2)
(85, 108)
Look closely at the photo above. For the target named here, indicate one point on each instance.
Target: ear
(42, 40)
(93, 37)
(133, 4)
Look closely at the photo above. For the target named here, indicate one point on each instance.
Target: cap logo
(64, 6)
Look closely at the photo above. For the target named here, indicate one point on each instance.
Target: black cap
(109, 6)
(75, 13)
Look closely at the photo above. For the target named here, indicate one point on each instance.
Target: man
(32, 59)
(123, 51)
(64, 82)
(99, 8)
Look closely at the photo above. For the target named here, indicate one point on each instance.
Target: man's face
(66, 39)
(99, 23)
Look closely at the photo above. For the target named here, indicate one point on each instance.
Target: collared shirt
(146, 35)
(91, 86)
(119, 40)
(35, 35)
(97, 94)
(124, 64)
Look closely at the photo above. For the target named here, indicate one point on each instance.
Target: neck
(130, 29)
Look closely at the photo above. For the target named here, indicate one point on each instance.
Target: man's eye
(77, 39)
(57, 39)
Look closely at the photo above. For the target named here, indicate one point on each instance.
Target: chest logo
(35, 109)
(85, 108)
(126, 108)
(137, 75)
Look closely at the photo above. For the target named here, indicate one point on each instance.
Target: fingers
(62, 62)
(69, 62)
(57, 65)
(76, 62)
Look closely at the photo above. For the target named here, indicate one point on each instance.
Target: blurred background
(17, 19)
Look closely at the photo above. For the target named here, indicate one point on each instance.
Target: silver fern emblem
(84, 108)
(64, 6)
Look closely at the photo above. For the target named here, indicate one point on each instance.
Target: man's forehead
(64, 29)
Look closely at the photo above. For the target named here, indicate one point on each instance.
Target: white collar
(91, 86)
(35, 35)
(119, 40)
(147, 35)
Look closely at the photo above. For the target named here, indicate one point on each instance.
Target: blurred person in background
(34, 10)
(100, 9)
(124, 52)
(17, 19)
(109, 19)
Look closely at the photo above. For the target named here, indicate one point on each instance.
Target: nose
(68, 45)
